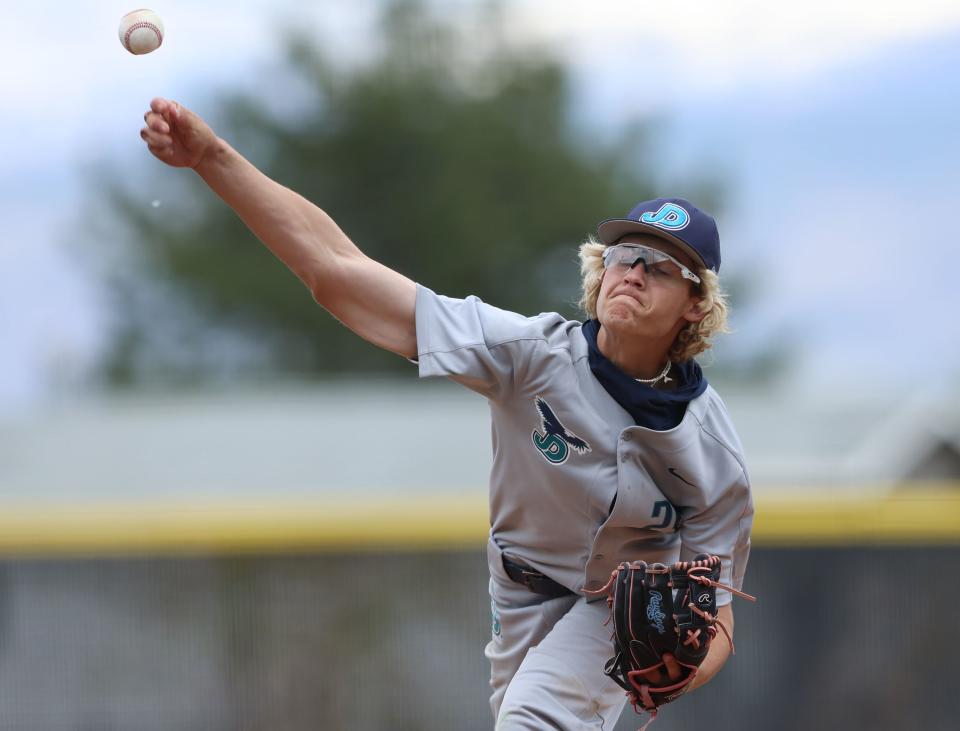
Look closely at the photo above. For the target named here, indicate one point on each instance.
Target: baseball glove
(664, 620)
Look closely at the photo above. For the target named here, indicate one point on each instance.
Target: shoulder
(498, 326)
(716, 426)
(711, 414)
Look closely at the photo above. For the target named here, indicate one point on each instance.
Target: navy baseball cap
(673, 219)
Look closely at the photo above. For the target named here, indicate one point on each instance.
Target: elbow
(326, 277)
(327, 257)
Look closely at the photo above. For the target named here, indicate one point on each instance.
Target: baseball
(141, 31)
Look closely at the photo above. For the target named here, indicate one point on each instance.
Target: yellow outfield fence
(914, 514)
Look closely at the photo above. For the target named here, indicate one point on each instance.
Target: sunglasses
(623, 257)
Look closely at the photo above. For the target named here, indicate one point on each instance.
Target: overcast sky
(836, 123)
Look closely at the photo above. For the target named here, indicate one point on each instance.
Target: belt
(531, 578)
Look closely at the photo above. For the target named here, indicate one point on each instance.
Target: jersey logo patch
(495, 618)
(670, 217)
(555, 442)
(673, 471)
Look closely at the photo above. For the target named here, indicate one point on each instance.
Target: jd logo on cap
(670, 217)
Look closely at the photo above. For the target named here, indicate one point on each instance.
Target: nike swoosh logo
(680, 477)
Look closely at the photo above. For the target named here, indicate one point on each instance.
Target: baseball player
(608, 443)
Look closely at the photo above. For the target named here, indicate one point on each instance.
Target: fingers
(161, 152)
(158, 132)
(156, 123)
(164, 109)
(169, 110)
(161, 105)
(654, 676)
(153, 138)
(175, 134)
(672, 666)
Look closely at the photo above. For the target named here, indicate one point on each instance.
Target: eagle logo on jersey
(555, 442)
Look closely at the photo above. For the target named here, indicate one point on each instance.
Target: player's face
(645, 297)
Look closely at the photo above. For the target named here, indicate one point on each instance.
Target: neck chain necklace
(662, 377)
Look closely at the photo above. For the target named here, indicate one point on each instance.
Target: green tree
(456, 162)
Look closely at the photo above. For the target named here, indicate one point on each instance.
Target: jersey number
(670, 515)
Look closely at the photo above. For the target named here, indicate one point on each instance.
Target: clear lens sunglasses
(626, 256)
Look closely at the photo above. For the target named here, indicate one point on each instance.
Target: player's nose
(637, 274)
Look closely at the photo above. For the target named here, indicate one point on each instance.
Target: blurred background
(194, 533)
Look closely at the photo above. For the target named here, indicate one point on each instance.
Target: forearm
(719, 650)
(299, 233)
(374, 301)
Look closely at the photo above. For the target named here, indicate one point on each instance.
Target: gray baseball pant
(546, 659)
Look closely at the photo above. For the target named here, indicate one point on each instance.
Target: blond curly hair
(694, 338)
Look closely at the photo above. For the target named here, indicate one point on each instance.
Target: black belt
(533, 579)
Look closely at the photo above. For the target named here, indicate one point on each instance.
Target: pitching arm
(374, 301)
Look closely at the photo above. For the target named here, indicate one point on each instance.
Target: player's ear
(603, 277)
(694, 311)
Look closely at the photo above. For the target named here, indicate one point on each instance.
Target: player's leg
(560, 684)
(521, 619)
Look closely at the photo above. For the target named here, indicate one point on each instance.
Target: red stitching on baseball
(137, 26)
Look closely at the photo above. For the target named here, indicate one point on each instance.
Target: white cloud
(723, 43)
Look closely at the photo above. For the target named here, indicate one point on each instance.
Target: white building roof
(299, 440)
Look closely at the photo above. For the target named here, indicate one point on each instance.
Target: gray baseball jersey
(576, 486)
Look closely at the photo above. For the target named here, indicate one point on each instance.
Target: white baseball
(141, 31)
